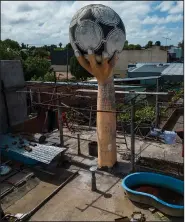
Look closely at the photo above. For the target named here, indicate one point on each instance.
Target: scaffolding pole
(157, 104)
(60, 123)
(132, 135)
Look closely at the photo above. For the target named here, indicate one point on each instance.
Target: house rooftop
(150, 68)
(76, 201)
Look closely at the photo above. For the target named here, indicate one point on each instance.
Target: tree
(138, 47)
(53, 46)
(12, 44)
(149, 44)
(77, 70)
(35, 66)
(60, 44)
(181, 45)
(131, 46)
(7, 53)
(40, 52)
(125, 45)
(68, 45)
(23, 46)
(158, 43)
(24, 54)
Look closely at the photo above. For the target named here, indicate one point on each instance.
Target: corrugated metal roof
(41, 153)
(174, 69)
(150, 68)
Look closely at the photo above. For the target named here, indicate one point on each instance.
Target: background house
(153, 54)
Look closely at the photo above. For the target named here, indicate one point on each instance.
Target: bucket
(93, 148)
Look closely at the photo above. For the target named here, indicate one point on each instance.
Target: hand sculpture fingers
(105, 59)
(112, 62)
(83, 62)
(92, 59)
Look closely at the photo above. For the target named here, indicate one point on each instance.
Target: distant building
(175, 54)
(150, 55)
(154, 54)
(167, 71)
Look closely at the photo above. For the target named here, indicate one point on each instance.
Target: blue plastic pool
(154, 179)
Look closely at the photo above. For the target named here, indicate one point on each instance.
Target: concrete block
(12, 73)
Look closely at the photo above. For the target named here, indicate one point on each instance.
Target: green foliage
(178, 94)
(68, 46)
(35, 66)
(23, 46)
(11, 44)
(149, 44)
(138, 47)
(7, 53)
(24, 54)
(125, 45)
(143, 114)
(77, 70)
(131, 46)
(60, 44)
(41, 52)
(49, 77)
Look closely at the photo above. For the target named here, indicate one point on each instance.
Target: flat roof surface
(76, 201)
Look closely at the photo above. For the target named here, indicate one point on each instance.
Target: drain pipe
(25, 217)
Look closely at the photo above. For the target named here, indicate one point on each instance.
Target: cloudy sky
(40, 22)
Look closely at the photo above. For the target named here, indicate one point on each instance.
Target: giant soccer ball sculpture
(99, 28)
(97, 35)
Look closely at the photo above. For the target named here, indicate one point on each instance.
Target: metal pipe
(31, 101)
(93, 179)
(39, 99)
(6, 104)
(78, 138)
(90, 117)
(33, 211)
(67, 64)
(119, 92)
(68, 107)
(132, 135)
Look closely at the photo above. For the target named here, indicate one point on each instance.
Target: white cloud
(171, 7)
(178, 8)
(162, 20)
(43, 22)
(165, 6)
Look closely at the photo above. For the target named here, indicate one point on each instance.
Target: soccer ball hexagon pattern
(99, 28)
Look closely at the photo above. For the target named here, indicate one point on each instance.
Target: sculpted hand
(100, 71)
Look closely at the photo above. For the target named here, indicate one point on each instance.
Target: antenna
(166, 39)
